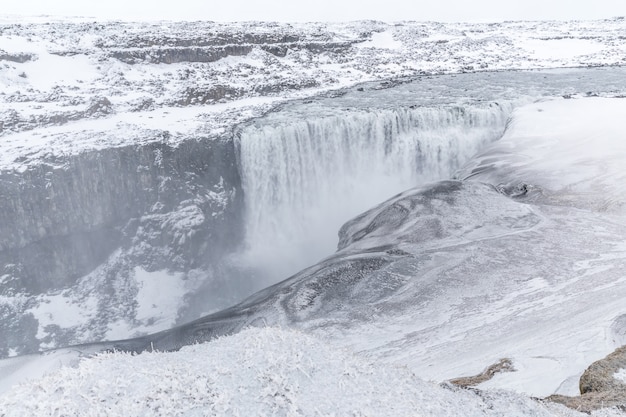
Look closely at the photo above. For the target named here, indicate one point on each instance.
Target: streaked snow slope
(439, 282)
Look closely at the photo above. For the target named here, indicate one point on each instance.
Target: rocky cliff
(158, 207)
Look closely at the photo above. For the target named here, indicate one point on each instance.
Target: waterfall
(302, 179)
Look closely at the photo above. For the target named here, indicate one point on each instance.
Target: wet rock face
(63, 217)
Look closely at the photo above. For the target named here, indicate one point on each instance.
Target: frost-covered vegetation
(260, 372)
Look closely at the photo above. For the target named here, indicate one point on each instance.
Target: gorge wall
(160, 207)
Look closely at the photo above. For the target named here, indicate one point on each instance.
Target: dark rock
(503, 365)
(164, 55)
(19, 58)
(99, 106)
(68, 215)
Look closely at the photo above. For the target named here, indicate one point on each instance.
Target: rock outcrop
(599, 387)
(503, 365)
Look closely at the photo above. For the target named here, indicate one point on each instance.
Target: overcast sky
(322, 10)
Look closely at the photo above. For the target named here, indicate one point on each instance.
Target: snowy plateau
(359, 219)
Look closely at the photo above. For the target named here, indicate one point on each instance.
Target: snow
(256, 372)
(67, 71)
(48, 71)
(620, 375)
(61, 310)
(22, 149)
(22, 368)
(382, 40)
(159, 297)
(573, 148)
(561, 48)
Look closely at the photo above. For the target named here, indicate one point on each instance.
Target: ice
(546, 293)
(62, 310)
(571, 148)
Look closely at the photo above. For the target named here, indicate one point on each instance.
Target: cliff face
(161, 207)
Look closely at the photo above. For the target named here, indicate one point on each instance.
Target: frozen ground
(109, 84)
(257, 372)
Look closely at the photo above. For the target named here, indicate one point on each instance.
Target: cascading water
(303, 179)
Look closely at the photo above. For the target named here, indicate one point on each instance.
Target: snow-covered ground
(105, 84)
(259, 372)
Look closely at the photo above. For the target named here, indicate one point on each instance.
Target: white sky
(321, 10)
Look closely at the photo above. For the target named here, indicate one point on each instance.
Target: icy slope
(568, 153)
(256, 372)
